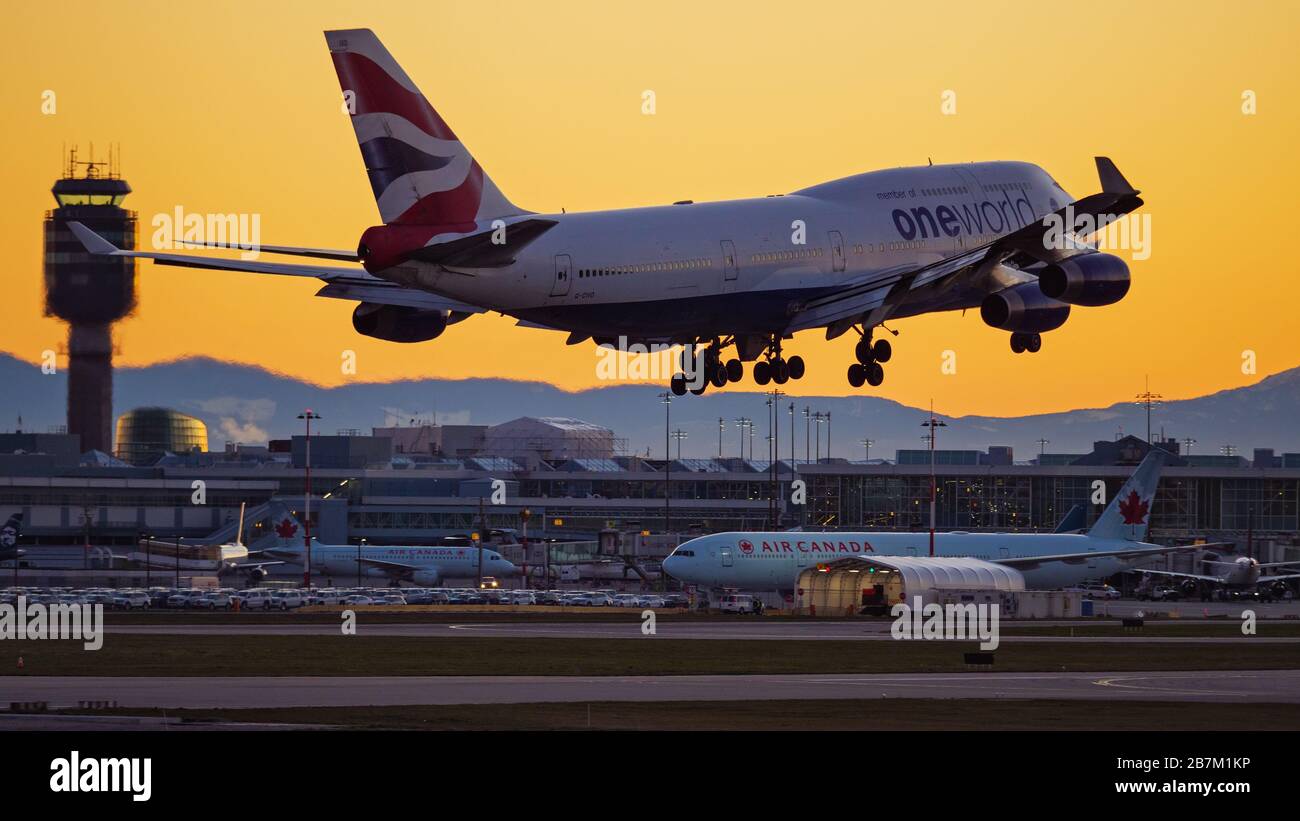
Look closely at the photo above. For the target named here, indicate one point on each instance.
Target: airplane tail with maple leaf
(1127, 515)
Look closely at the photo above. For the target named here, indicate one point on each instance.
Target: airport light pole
(667, 398)
(866, 444)
(775, 406)
(523, 523)
(807, 434)
(360, 547)
(679, 435)
(722, 426)
(1150, 400)
(307, 416)
(933, 424)
(828, 436)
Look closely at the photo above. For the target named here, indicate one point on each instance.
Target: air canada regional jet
(773, 561)
(845, 255)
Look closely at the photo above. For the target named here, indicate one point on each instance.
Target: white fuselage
(432, 563)
(736, 266)
(773, 561)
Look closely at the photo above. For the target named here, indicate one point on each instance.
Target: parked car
(131, 600)
(1099, 591)
(736, 603)
(286, 599)
(1165, 594)
(213, 601)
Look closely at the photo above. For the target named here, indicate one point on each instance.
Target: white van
(736, 603)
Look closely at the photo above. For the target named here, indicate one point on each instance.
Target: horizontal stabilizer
(486, 249)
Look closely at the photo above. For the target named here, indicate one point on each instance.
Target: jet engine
(1189, 586)
(1023, 308)
(256, 575)
(1087, 279)
(426, 578)
(397, 323)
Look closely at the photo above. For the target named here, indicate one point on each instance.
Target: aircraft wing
(340, 282)
(1031, 562)
(871, 300)
(396, 568)
(1197, 576)
(1288, 577)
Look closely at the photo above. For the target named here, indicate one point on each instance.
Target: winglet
(1112, 182)
(94, 243)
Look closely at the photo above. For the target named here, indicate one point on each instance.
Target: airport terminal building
(365, 488)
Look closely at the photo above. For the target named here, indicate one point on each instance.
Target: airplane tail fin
(286, 527)
(1076, 521)
(1127, 515)
(419, 172)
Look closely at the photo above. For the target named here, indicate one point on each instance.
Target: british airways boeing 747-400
(846, 255)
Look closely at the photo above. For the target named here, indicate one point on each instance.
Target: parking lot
(288, 598)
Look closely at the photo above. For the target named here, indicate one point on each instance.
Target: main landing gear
(703, 368)
(871, 355)
(1026, 342)
(776, 368)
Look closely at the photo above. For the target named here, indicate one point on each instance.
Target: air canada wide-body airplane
(773, 561)
(846, 255)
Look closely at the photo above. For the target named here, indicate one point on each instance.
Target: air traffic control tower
(90, 293)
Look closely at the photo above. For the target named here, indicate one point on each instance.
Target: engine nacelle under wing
(1088, 279)
(398, 323)
(1023, 308)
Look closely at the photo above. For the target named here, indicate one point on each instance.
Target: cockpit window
(686, 553)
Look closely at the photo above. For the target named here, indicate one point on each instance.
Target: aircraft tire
(875, 374)
(857, 375)
(863, 350)
(762, 372)
(882, 351)
(735, 370)
(796, 367)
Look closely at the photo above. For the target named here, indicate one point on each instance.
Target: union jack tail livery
(1127, 515)
(419, 172)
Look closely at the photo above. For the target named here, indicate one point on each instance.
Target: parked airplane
(9, 534)
(426, 566)
(162, 553)
(1241, 573)
(773, 561)
(846, 255)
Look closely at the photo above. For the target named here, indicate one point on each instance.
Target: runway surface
(213, 692)
(743, 628)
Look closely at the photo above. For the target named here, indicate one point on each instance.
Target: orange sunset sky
(234, 107)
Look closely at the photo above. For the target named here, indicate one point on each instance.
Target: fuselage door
(726, 556)
(837, 251)
(563, 273)
(730, 266)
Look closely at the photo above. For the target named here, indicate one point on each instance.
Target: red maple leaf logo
(286, 529)
(746, 546)
(1133, 509)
